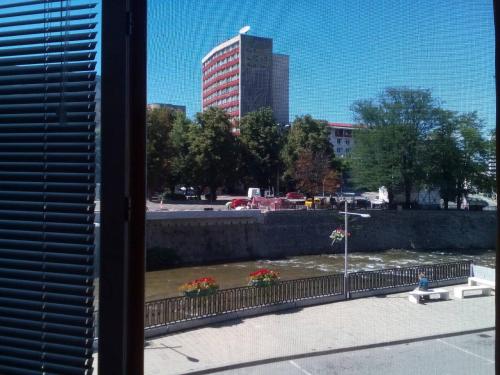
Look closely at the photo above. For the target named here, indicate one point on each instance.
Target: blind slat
(47, 68)
(47, 88)
(49, 58)
(55, 48)
(48, 30)
(46, 20)
(46, 10)
(47, 98)
(27, 3)
(48, 78)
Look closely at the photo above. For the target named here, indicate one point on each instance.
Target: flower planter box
(204, 286)
(262, 283)
(200, 293)
(263, 277)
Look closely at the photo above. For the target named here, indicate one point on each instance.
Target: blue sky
(340, 50)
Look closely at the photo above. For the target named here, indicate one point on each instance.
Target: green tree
(213, 150)
(492, 157)
(159, 122)
(306, 134)
(181, 159)
(473, 169)
(390, 150)
(443, 157)
(457, 156)
(373, 162)
(261, 140)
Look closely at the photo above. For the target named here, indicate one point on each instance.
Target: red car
(295, 195)
(237, 202)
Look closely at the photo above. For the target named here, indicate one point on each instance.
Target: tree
(443, 157)
(473, 168)
(181, 160)
(213, 150)
(159, 122)
(390, 150)
(306, 134)
(373, 161)
(492, 157)
(313, 173)
(260, 139)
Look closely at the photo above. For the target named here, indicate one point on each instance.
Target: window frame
(122, 255)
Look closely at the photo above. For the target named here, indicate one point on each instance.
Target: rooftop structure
(181, 108)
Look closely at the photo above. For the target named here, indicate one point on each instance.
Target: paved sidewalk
(457, 355)
(339, 325)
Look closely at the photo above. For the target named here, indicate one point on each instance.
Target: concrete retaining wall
(205, 237)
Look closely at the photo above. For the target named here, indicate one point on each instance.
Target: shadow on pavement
(147, 346)
(228, 323)
(288, 311)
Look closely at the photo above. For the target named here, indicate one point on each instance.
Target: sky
(340, 50)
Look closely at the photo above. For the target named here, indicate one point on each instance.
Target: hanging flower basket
(338, 235)
(204, 286)
(263, 278)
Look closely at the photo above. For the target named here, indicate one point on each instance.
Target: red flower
(203, 283)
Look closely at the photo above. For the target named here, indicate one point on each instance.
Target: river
(162, 284)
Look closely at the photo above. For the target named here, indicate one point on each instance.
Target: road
(455, 355)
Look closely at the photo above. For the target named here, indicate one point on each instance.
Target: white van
(253, 192)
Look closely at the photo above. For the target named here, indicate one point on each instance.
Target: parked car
(475, 204)
(156, 197)
(174, 196)
(238, 202)
(295, 195)
(362, 203)
(193, 193)
(253, 192)
(319, 202)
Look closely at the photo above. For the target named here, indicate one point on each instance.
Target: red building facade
(221, 77)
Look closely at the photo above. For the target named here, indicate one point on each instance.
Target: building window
(339, 141)
(347, 141)
(339, 150)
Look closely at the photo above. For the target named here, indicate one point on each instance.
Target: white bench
(415, 295)
(473, 281)
(459, 291)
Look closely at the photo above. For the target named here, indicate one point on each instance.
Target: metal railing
(406, 276)
(180, 309)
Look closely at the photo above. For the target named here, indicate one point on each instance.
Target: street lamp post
(345, 249)
(346, 276)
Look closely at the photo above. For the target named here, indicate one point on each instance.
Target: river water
(162, 284)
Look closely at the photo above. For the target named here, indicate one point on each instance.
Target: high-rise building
(242, 75)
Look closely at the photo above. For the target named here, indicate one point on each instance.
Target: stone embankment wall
(182, 238)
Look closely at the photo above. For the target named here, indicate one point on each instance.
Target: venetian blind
(47, 125)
